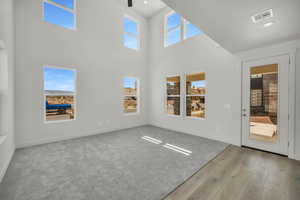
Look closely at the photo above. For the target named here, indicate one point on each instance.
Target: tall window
(131, 33)
(195, 95)
(177, 29)
(191, 30)
(131, 98)
(59, 93)
(173, 95)
(60, 12)
(173, 29)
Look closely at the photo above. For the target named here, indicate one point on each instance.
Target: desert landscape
(130, 104)
(59, 107)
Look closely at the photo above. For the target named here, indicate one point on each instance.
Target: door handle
(244, 115)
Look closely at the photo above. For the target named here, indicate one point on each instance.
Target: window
(131, 99)
(191, 30)
(195, 95)
(60, 12)
(59, 93)
(131, 33)
(173, 29)
(178, 29)
(173, 95)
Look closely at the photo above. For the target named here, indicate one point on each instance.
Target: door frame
(281, 144)
(269, 52)
(3, 68)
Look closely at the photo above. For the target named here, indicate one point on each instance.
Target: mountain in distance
(59, 92)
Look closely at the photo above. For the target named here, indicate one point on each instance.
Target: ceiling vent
(259, 17)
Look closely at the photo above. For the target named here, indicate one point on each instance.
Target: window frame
(186, 95)
(137, 96)
(182, 26)
(73, 11)
(185, 30)
(138, 36)
(179, 96)
(74, 96)
(167, 31)
(185, 27)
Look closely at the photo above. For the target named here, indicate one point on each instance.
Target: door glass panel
(264, 103)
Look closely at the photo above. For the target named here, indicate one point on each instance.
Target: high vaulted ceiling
(146, 8)
(229, 23)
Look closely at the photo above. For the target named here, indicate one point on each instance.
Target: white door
(265, 108)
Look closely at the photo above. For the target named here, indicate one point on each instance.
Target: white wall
(95, 50)
(223, 83)
(7, 98)
(297, 132)
(223, 74)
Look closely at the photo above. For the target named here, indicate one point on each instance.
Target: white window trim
(185, 25)
(137, 36)
(166, 96)
(75, 95)
(194, 95)
(73, 11)
(137, 96)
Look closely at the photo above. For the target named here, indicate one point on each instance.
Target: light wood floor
(243, 174)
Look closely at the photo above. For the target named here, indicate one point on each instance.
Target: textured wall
(96, 51)
(198, 54)
(297, 142)
(7, 97)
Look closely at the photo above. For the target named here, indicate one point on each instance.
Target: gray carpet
(112, 166)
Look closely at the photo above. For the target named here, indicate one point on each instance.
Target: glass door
(265, 104)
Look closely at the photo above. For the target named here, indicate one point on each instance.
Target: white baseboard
(57, 139)
(6, 165)
(297, 157)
